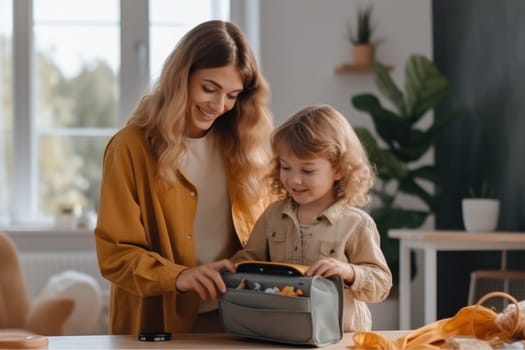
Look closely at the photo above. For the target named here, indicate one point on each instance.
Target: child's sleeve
(373, 278)
(257, 246)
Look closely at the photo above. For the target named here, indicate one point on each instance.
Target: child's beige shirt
(342, 232)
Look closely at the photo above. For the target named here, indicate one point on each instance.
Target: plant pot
(364, 54)
(66, 221)
(480, 214)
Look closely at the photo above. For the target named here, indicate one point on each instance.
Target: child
(322, 173)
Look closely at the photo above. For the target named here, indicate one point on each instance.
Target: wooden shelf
(356, 68)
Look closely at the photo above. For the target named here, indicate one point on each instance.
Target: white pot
(480, 214)
(65, 221)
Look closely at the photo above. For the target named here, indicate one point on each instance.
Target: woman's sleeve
(123, 249)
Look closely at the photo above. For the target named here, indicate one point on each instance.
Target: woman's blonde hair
(322, 132)
(243, 132)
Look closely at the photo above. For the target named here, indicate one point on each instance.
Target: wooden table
(182, 341)
(430, 242)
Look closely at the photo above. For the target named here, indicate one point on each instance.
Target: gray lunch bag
(314, 318)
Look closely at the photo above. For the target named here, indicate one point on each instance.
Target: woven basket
(512, 325)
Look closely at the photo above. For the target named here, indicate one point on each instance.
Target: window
(171, 19)
(76, 62)
(6, 105)
(81, 67)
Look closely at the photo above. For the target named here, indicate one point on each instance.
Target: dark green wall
(480, 46)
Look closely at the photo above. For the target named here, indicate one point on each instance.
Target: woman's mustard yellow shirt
(144, 237)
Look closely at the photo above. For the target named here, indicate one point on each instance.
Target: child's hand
(332, 267)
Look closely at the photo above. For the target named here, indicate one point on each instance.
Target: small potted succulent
(361, 37)
(481, 209)
(67, 215)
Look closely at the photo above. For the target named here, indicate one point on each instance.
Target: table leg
(430, 281)
(404, 286)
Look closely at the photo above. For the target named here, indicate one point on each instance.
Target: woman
(182, 185)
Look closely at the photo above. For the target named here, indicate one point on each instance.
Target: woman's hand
(332, 267)
(204, 279)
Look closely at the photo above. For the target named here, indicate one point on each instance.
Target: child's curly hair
(322, 132)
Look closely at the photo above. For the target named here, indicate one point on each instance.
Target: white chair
(87, 294)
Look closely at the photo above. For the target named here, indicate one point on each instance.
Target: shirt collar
(330, 214)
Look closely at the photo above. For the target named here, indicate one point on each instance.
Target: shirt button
(192, 193)
(188, 236)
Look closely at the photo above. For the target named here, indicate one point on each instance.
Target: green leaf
(392, 218)
(386, 164)
(413, 146)
(386, 199)
(364, 29)
(418, 142)
(427, 172)
(367, 139)
(389, 167)
(388, 87)
(387, 124)
(409, 186)
(440, 123)
(425, 86)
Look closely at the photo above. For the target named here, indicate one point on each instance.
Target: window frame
(24, 201)
(134, 80)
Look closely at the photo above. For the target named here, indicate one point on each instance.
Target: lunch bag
(305, 310)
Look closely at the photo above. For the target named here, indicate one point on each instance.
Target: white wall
(301, 42)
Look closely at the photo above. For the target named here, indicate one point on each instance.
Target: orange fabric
(473, 320)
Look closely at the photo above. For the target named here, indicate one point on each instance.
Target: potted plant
(68, 213)
(481, 210)
(399, 145)
(361, 37)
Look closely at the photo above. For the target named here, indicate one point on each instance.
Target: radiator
(37, 267)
